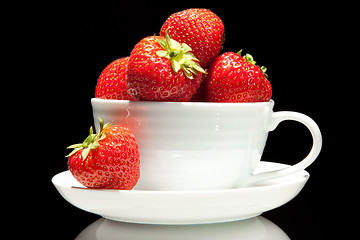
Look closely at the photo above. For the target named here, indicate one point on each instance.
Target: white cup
(201, 146)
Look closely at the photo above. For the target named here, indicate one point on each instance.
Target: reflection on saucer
(255, 229)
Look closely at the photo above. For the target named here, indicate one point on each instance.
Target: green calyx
(248, 58)
(180, 56)
(91, 142)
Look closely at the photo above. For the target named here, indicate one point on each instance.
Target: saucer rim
(183, 207)
(154, 103)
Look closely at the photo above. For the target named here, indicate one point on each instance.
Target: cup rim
(113, 101)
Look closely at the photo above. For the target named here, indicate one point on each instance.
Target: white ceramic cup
(201, 146)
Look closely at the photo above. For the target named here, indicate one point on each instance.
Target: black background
(292, 40)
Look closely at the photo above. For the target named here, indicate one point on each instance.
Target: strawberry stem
(180, 56)
(91, 142)
(248, 58)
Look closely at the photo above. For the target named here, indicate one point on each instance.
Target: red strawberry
(112, 81)
(107, 160)
(161, 69)
(201, 29)
(200, 94)
(232, 78)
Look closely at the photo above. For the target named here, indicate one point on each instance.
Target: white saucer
(184, 207)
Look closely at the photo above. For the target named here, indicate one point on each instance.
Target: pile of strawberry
(183, 64)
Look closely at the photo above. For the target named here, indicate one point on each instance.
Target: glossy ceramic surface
(201, 146)
(184, 207)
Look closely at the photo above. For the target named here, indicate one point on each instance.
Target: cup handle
(277, 118)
